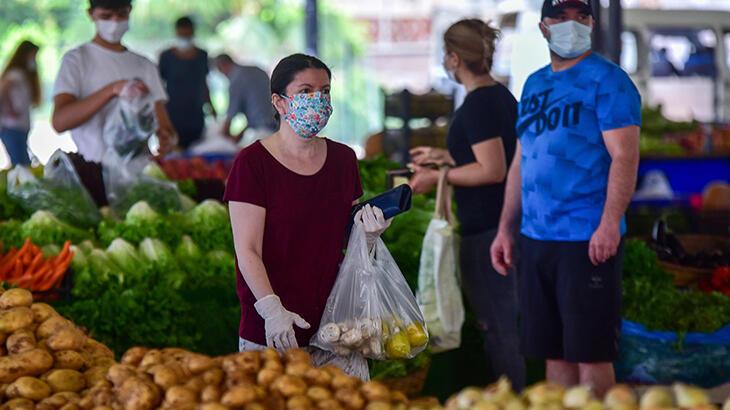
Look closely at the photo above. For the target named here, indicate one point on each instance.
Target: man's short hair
(223, 58)
(110, 4)
(185, 22)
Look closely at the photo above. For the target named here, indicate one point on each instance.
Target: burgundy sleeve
(244, 183)
(358, 182)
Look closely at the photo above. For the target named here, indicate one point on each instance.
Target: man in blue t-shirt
(576, 164)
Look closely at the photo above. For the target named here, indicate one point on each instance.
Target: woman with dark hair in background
(290, 196)
(20, 90)
(481, 142)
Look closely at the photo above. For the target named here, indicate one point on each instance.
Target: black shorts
(570, 309)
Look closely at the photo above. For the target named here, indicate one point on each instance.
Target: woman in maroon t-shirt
(290, 197)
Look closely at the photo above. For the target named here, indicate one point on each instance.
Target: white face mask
(183, 43)
(570, 39)
(112, 31)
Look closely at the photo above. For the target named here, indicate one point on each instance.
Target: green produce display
(208, 224)
(654, 128)
(651, 299)
(141, 221)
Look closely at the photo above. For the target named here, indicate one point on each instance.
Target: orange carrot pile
(28, 268)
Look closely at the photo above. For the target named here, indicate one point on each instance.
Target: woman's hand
(279, 323)
(424, 180)
(430, 155)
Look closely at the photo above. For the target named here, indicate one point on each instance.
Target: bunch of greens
(209, 226)
(45, 229)
(10, 234)
(71, 203)
(394, 369)
(651, 299)
(162, 196)
(141, 221)
(9, 208)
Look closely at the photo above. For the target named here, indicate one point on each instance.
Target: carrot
(36, 263)
(12, 253)
(27, 258)
(25, 247)
(39, 277)
(18, 269)
(53, 279)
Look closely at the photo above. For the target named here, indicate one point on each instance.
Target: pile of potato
(46, 362)
(177, 379)
(545, 396)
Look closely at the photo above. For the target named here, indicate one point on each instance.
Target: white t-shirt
(89, 68)
(21, 96)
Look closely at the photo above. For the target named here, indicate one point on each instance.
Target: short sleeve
(68, 80)
(244, 182)
(480, 122)
(154, 83)
(618, 103)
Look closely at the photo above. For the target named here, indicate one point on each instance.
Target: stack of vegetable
(656, 130)
(178, 379)
(29, 268)
(194, 168)
(549, 396)
(46, 362)
(651, 299)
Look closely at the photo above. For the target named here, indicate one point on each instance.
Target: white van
(681, 60)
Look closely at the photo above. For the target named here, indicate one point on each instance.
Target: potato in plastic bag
(371, 310)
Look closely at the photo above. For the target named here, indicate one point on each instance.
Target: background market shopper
(290, 197)
(481, 142)
(184, 71)
(20, 91)
(576, 163)
(248, 94)
(93, 74)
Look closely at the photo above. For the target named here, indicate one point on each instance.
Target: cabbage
(125, 256)
(208, 224)
(79, 261)
(157, 254)
(45, 229)
(87, 246)
(188, 254)
(100, 263)
(141, 221)
(154, 171)
(187, 203)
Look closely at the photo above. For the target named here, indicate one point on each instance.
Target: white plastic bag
(132, 122)
(439, 293)
(371, 310)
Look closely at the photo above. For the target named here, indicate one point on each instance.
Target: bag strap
(443, 197)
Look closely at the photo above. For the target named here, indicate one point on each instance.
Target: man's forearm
(76, 113)
(512, 208)
(621, 185)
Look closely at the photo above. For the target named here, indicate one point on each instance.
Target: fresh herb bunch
(651, 299)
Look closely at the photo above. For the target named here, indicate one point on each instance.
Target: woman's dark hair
(110, 4)
(288, 68)
(19, 61)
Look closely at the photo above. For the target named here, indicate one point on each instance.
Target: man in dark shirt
(184, 69)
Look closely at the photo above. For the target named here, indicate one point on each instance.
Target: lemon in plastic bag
(398, 346)
(417, 336)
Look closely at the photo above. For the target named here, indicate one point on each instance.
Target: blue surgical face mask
(570, 39)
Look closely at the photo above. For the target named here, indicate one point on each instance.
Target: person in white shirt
(93, 75)
(19, 91)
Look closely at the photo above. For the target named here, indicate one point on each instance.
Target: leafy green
(153, 170)
(124, 255)
(141, 221)
(162, 196)
(10, 235)
(70, 203)
(650, 297)
(394, 369)
(157, 254)
(187, 187)
(209, 226)
(45, 229)
(188, 254)
(9, 208)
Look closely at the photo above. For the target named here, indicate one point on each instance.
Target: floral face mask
(308, 113)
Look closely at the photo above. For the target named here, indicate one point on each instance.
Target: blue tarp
(651, 357)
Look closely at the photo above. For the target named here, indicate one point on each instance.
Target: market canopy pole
(615, 28)
(311, 27)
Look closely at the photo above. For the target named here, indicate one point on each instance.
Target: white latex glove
(279, 323)
(373, 222)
